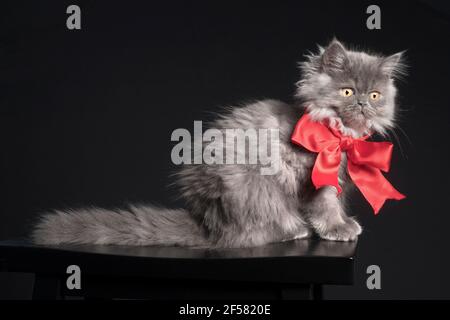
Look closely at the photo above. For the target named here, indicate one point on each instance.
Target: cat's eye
(374, 95)
(346, 92)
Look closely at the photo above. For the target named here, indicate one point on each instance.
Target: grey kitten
(236, 206)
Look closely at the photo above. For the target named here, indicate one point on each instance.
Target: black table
(289, 270)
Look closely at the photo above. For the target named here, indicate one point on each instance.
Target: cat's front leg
(327, 217)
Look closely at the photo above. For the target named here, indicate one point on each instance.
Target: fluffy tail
(138, 225)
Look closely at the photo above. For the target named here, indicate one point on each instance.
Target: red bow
(364, 160)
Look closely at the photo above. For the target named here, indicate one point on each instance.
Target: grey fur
(236, 206)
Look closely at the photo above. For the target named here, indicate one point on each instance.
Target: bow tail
(373, 185)
(326, 168)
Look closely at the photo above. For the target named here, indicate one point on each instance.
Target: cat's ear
(393, 65)
(334, 57)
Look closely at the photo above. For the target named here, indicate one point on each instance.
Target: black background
(86, 116)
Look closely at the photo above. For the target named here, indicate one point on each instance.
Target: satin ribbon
(365, 160)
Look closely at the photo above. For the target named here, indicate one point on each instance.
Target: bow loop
(365, 160)
(373, 154)
(316, 139)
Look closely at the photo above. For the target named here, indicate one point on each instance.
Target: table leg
(46, 287)
(317, 292)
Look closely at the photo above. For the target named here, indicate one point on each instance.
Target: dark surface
(293, 269)
(300, 261)
(86, 117)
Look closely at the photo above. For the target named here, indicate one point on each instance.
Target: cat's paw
(345, 231)
(355, 225)
(306, 233)
(302, 233)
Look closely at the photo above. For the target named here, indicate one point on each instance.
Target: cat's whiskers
(392, 131)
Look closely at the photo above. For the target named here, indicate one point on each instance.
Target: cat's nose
(362, 103)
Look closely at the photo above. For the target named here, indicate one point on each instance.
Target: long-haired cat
(236, 206)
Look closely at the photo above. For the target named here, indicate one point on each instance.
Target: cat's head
(353, 90)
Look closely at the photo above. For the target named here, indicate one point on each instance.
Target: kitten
(236, 206)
